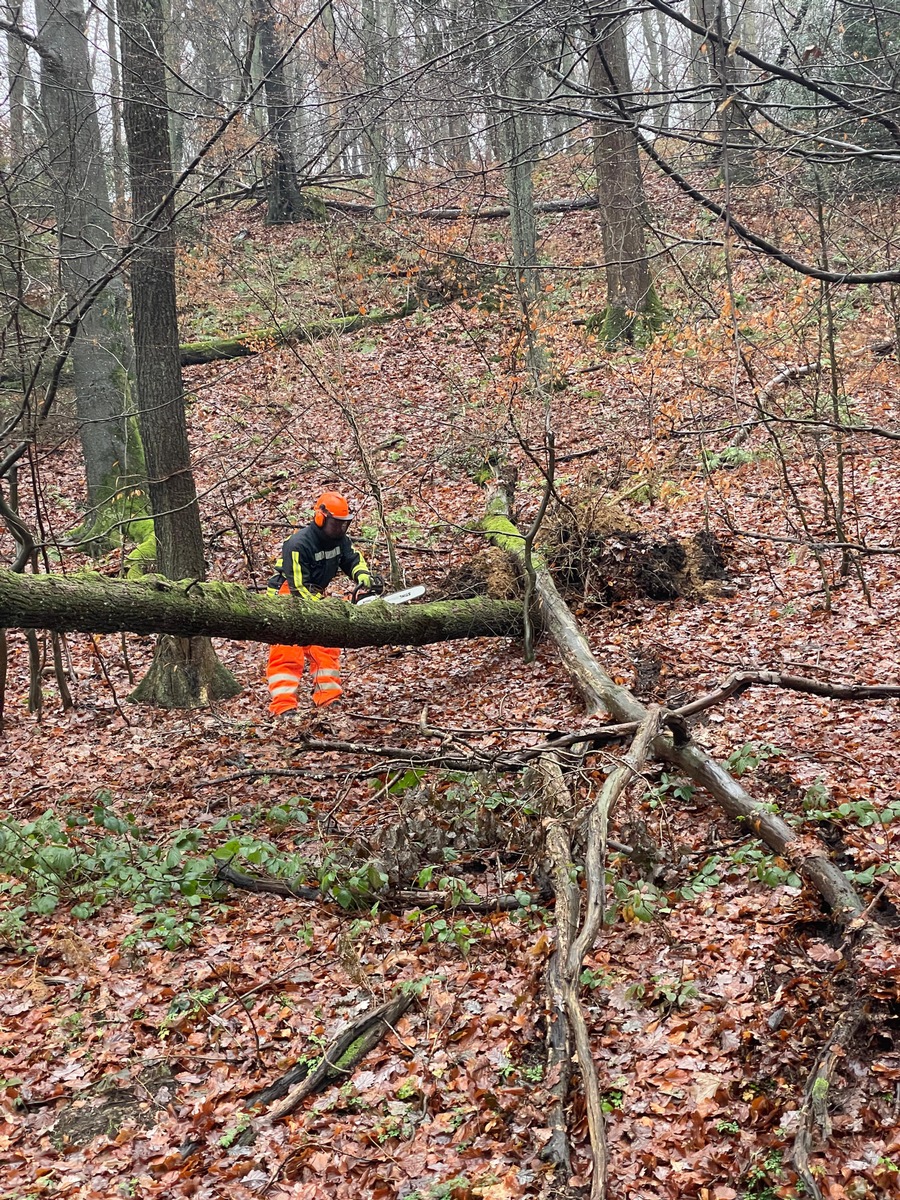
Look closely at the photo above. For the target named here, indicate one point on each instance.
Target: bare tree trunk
(115, 111)
(101, 354)
(16, 58)
(735, 133)
(654, 31)
(517, 148)
(285, 203)
(632, 309)
(185, 672)
(373, 70)
(701, 75)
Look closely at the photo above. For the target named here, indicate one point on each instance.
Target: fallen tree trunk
(807, 856)
(574, 940)
(390, 899)
(473, 212)
(814, 1111)
(564, 998)
(92, 603)
(243, 345)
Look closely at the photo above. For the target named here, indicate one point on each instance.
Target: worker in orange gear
(310, 559)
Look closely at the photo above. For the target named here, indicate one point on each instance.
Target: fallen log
(401, 897)
(90, 603)
(814, 1110)
(564, 996)
(472, 212)
(343, 1054)
(243, 345)
(807, 856)
(574, 941)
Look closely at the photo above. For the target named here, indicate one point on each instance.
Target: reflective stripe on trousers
(326, 669)
(285, 670)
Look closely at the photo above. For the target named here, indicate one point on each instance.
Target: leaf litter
(705, 1019)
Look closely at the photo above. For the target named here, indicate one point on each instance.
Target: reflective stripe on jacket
(309, 562)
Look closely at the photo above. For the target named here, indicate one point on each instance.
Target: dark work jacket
(309, 562)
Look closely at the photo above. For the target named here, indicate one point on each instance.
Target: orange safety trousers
(285, 669)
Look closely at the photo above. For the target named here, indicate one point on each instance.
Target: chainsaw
(404, 597)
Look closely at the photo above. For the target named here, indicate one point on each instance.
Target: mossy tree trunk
(186, 672)
(92, 603)
(242, 345)
(102, 352)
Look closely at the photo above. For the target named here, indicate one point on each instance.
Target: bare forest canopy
(588, 883)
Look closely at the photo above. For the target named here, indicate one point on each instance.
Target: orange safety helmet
(332, 504)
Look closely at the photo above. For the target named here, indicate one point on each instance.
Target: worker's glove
(370, 583)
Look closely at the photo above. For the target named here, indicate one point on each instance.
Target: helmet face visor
(335, 527)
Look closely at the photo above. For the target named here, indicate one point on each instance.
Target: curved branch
(749, 236)
(777, 70)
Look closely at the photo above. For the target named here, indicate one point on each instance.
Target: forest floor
(141, 1007)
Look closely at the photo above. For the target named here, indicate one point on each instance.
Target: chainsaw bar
(403, 597)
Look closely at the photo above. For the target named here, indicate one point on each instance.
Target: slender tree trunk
(734, 155)
(115, 111)
(701, 75)
(654, 31)
(665, 59)
(632, 310)
(375, 136)
(517, 139)
(185, 672)
(101, 354)
(16, 56)
(285, 203)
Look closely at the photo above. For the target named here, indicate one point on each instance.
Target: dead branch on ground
(344, 1053)
(402, 898)
(814, 1111)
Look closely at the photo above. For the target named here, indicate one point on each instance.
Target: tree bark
(161, 410)
(101, 353)
(284, 200)
(632, 309)
(91, 603)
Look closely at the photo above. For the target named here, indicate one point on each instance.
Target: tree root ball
(491, 572)
(603, 555)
